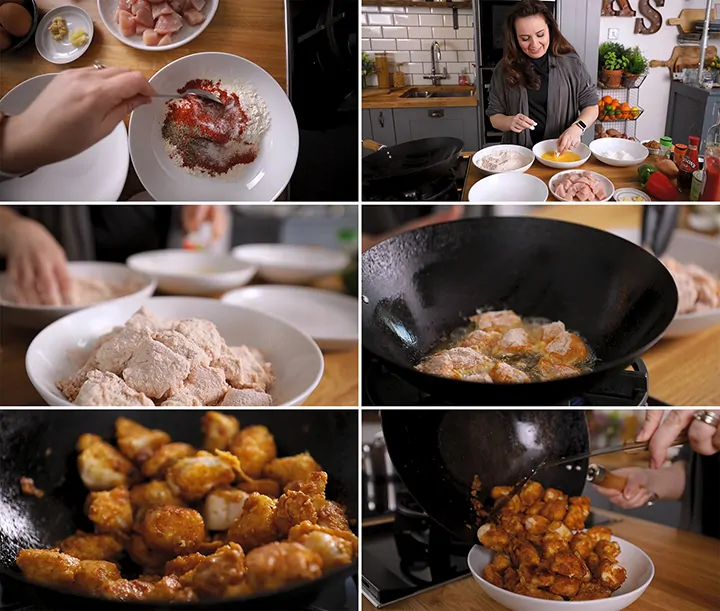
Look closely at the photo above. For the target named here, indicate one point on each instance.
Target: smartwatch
(581, 125)
(7, 175)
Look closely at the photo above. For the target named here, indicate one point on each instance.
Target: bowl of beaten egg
(545, 153)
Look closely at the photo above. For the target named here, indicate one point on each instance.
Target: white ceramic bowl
(107, 9)
(607, 183)
(37, 317)
(263, 180)
(290, 263)
(687, 247)
(63, 51)
(551, 145)
(296, 359)
(96, 174)
(526, 154)
(188, 272)
(330, 318)
(602, 146)
(509, 187)
(640, 572)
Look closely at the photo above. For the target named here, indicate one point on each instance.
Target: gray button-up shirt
(570, 90)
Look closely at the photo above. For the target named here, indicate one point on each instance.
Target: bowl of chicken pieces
(537, 555)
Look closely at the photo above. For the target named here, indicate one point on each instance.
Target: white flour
(502, 161)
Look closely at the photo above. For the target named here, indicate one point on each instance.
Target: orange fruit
(625, 107)
(607, 99)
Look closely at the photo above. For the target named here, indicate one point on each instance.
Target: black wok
(406, 165)
(437, 453)
(420, 285)
(331, 437)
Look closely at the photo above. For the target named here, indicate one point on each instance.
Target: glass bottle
(689, 165)
(711, 182)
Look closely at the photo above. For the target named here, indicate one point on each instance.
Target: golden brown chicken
(215, 575)
(277, 565)
(257, 524)
(165, 457)
(192, 478)
(222, 507)
(255, 447)
(332, 515)
(175, 530)
(592, 591)
(334, 551)
(294, 507)
(101, 466)
(137, 442)
(151, 560)
(268, 487)
(152, 494)
(84, 546)
(48, 567)
(110, 510)
(219, 431)
(314, 487)
(93, 575)
(291, 469)
(298, 532)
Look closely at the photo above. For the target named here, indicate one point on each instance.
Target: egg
(5, 40)
(15, 19)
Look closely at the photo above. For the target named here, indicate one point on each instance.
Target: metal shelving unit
(631, 95)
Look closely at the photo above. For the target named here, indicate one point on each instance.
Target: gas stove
(443, 189)
(381, 387)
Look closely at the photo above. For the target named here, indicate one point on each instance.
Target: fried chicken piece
(183, 564)
(222, 507)
(268, 487)
(299, 531)
(570, 565)
(167, 589)
(535, 576)
(510, 579)
(192, 478)
(553, 494)
(332, 515)
(502, 373)
(554, 510)
(152, 494)
(592, 591)
(582, 544)
(175, 530)
(278, 565)
(151, 560)
(294, 507)
(334, 551)
(501, 562)
(155, 370)
(27, 485)
(535, 509)
(219, 430)
(185, 347)
(567, 348)
(206, 384)
(491, 575)
(499, 492)
(607, 550)
(514, 341)
(512, 524)
(110, 510)
(215, 575)
(512, 506)
(165, 457)
(48, 567)
(92, 575)
(456, 363)
(101, 389)
(314, 488)
(255, 448)
(553, 544)
(533, 592)
(126, 590)
(257, 525)
(599, 533)
(525, 553)
(101, 466)
(482, 341)
(246, 397)
(536, 525)
(85, 546)
(493, 537)
(291, 468)
(610, 574)
(551, 330)
(501, 320)
(551, 369)
(531, 493)
(560, 529)
(565, 586)
(577, 513)
(202, 333)
(137, 442)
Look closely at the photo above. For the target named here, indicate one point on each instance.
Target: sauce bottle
(689, 164)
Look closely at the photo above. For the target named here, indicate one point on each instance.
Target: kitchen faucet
(434, 76)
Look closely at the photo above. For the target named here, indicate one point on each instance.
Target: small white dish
(263, 180)
(63, 51)
(107, 9)
(606, 182)
(547, 146)
(627, 194)
(97, 174)
(602, 146)
(37, 317)
(189, 272)
(296, 359)
(526, 154)
(330, 318)
(640, 572)
(509, 187)
(291, 263)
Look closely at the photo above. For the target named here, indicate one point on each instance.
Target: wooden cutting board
(687, 18)
(684, 57)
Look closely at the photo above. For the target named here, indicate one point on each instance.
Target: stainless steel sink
(441, 93)
(419, 94)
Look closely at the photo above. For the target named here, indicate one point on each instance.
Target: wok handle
(371, 145)
(600, 476)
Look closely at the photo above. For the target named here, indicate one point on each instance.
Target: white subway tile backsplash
(432, 20)
(456, 67)
(444, 33)
(449, 23)
(370, 9)
(363, 19)
(413, 68)
(392, 9)
(465, 11)
(466, 56)
(383, 44)
(419, 32)
(394, 32)
(457, 44)
(380, 19)
(418, 10)
(471, 44)
(400, 57)
(406, 20)
(465, 33)
(419, 56)
(372, 31)
(449, 56)
(408, 44)
(366, 44)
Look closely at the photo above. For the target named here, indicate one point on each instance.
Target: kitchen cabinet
(382, 126)
(691, 112)
(367, 132)
(453, 122)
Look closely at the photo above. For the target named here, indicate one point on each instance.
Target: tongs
(658, 224)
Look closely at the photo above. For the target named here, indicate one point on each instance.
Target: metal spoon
(196, 92)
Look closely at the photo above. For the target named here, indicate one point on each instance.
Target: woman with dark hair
(541, 89)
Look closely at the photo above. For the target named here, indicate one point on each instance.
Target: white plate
(263, 180)
(188, 272)
(687, 247)
(607, 183)
(62, 51)
(295, 357)
(330, 318)
(614, 145)
(627, 192)
(526, 153)
(96, 174)
(292, 264)
(551, 145)
(640, 572)
(107, 9)
(37, 317)
(509, 187)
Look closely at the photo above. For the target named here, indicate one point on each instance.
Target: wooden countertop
(620, 177)
(338, 386)
(686, 574)
(682, 370)
(373, 97)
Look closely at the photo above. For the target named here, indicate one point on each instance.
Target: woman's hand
(76, 110)
(519, 123)
(638, 490)
(193, 217)
(569, 139)
(704, 438)
(36, 264)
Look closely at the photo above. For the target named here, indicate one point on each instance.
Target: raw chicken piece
(484, 341)
(136, 6)
(553, 370)
(515, 341)
(141, 29)
(456, 363)
(101, 466)
(580, 186)
(246, 397)
(70, 387)
(182, 399)
(178, 5)
(255, 363)
(154, 369)
(198, 5)
(219, 430)
(146, 17)
(113, 355)
(165, 40)
(161, 9)
(124, 5)
(167, 24)
(193, 17)
(551, 330)
(126, 23)
(207, 384)
(278, 565)
(245, 368)
(144, 319)
(177, 342)
(507, 374)
(501, 320)
(103, 389)
(202, 332)
(222, 507)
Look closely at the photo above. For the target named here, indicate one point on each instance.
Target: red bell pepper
(660, 187)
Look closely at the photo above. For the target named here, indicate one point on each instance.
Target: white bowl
(607, 183)
(187, 272)
(296, 358)
(63, 51)
(547, 146)
(107, 9)
(627, 192)
(604, 145)
(291, 263)
(527, 155)
(509, 187)
(37, 317)
(263, 180)
(96, 174)
(687, 247)
(640, 572)
(330, 318)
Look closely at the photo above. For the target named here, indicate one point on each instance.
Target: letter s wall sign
(652, 15)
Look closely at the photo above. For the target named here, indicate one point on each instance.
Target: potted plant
(612, 63)
(368, 68)
(714, 66)
(637, 65)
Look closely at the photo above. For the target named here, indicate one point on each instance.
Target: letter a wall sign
(622, 8)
